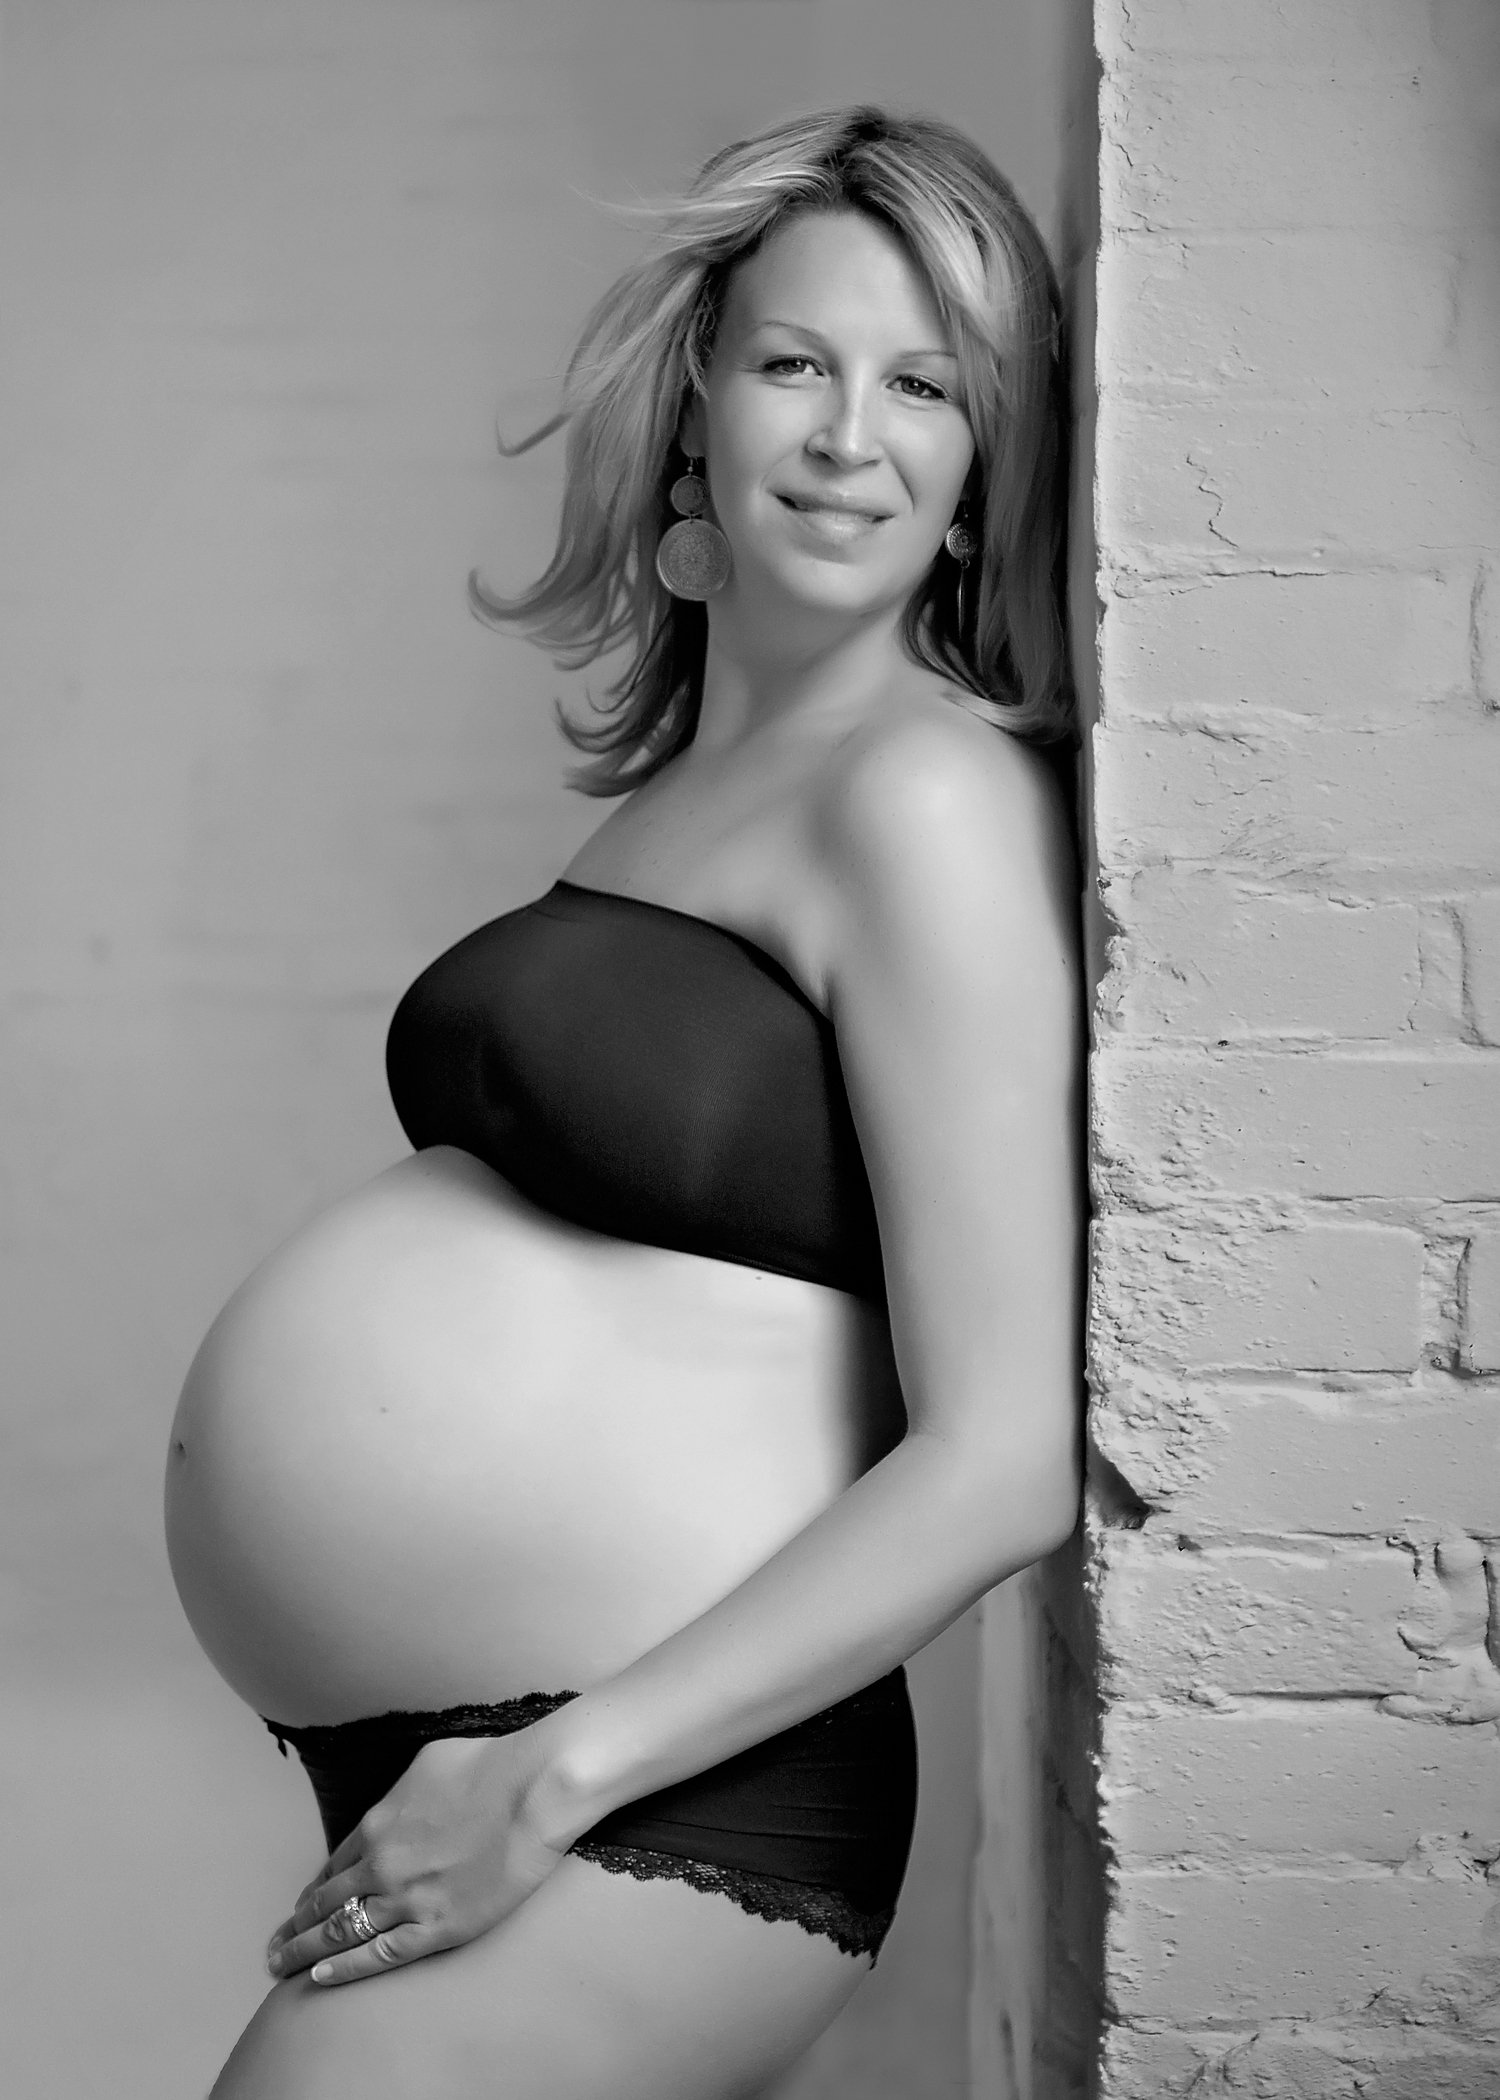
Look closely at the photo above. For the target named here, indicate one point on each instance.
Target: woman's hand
(449, 1852)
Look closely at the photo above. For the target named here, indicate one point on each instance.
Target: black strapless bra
(647, 1074)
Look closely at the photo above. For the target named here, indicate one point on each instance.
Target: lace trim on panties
(817, 1910)
(503, 1718)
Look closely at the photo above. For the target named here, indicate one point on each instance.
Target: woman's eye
(916, 386)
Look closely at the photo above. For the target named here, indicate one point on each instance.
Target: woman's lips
(832, 524)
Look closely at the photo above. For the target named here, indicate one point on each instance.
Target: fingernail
(273, 1961)
(323, 1973)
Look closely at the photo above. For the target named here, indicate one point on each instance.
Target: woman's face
(837, 449)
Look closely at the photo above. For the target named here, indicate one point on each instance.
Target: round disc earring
(692, 557)
(962, 542)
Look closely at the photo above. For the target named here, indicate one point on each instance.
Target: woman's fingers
(442, 1858)
(341, 1913)
(350, 1849)
(313, 1903)
(348, 1853)
(388, 1950)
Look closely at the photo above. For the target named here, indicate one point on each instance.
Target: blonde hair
(646, 347)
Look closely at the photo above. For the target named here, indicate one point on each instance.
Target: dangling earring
(692, 558)
(963, 544)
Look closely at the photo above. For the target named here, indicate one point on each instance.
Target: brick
(1411, 801)
(1484, 635)
(1357, 647)
(1189, 146)
(1438, 1010)
(1342, 1297)
(1311, 486)
(1202, 957)
(1319, 1123)
(1349, 34)
(1296, 2060)
(1248, 1620)
(1257, 1459)
(1158, 2063)
(1481, 1341)
(1208, 1946)
(1277, 316)
(1481, 924)
(1448, 1627)
(1299, 1783)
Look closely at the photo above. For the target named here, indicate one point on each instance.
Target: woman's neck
(836, 678)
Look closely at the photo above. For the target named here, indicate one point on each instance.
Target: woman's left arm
(951, 931)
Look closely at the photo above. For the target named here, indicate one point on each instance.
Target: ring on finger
(359, 1918)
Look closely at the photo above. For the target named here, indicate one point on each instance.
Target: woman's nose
(848, 436)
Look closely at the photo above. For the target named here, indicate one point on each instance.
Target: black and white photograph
(750, 1042)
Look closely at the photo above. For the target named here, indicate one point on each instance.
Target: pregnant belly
(443, 1447)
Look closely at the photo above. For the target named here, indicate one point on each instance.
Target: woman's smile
(832, 521)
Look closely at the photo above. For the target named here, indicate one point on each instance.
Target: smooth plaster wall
(1296, 1086)
(269, 271)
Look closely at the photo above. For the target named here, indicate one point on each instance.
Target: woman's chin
(815, 592)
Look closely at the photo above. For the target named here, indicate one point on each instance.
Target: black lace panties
(813, 1825)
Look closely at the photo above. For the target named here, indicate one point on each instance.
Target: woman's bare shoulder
(932, 792)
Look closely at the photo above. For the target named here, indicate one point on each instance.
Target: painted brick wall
(1295, 1306)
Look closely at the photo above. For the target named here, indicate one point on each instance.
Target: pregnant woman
(570, 1497)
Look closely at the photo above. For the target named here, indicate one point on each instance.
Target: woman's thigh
(599, 1988)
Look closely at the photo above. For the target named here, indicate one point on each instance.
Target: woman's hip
(812, 1826)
